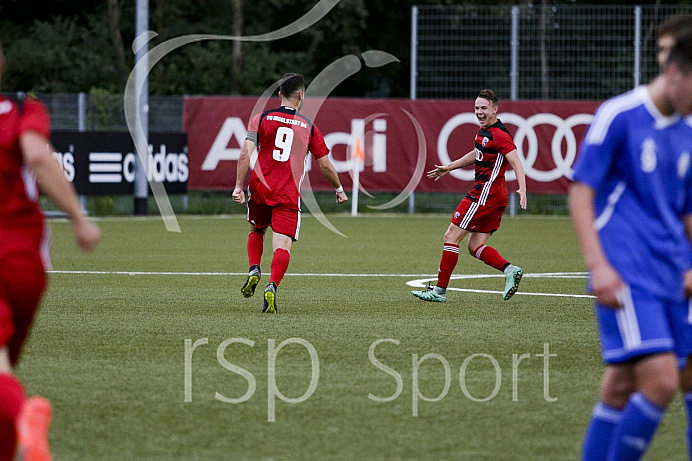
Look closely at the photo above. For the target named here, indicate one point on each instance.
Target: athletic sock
(279, 265)
(599, 432)
(255, 246)
(687, 398)
(491, 257)
(635, 430)
(11, 400)
(450, 256)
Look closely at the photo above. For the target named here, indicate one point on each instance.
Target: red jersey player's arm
(442, 170)
(333, 177)
(513, 159)
(241, 172)
(606, 282)
(37, 154)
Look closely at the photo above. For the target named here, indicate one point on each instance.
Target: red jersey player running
(25, 154)
(480, 212)
(283, 137)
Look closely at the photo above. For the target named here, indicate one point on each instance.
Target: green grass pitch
(109, 350)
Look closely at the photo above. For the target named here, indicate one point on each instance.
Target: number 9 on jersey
(283, 141)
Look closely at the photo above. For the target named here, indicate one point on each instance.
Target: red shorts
(22, 282)
(282, 219)
(478, 218)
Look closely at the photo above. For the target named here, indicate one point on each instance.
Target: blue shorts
(645, 325)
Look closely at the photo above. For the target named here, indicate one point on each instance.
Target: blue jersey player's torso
(638, 161)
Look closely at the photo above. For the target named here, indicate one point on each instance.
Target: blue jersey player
(630, 203)
(686, 374)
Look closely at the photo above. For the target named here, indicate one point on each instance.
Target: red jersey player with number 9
(283, 138)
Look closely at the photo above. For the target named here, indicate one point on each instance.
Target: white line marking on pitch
(231, 274)
(309, 274)
(418, 283)
(559, 295)
(422, 283)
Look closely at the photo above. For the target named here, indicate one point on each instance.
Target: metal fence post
(637, 44)
(142, 113)
(514, 76)
(81, 126)
(414, 46)
(514, 43)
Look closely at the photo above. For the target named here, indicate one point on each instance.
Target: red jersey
(283, 138)
(18, 191)
(492, 144)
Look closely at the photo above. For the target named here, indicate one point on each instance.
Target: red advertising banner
(402, 139)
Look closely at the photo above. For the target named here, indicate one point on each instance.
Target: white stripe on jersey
(607, 212)
(469, 215)
(488, 185)
(628, 324)
(609, 110)
(46, 241)
(30, 187)
(297, 228)
(306, 163)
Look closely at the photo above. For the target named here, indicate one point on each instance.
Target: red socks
(280, 260)
(11, 400)
(491, 257)
(255, 246)
(279, 265)
(450, 256)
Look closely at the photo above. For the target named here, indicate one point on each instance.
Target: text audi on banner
(547, 134)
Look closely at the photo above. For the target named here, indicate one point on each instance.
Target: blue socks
(619, 435)
(598, 434)
(637, 426)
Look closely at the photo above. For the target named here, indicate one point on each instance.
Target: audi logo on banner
(525, 133)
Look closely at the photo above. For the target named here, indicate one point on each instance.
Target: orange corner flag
(358, 153)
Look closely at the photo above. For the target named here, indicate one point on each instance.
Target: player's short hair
(675, 26)
(681, 53)
(489, 95)
(291, 84)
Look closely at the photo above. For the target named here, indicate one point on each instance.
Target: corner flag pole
(358, 158)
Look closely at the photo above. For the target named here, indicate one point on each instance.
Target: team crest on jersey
(485, 141)
(648, 156)
(683, 164)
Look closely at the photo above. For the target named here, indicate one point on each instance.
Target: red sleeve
(35, 117)
(504, 142)
(254, 124)
(317, 145)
